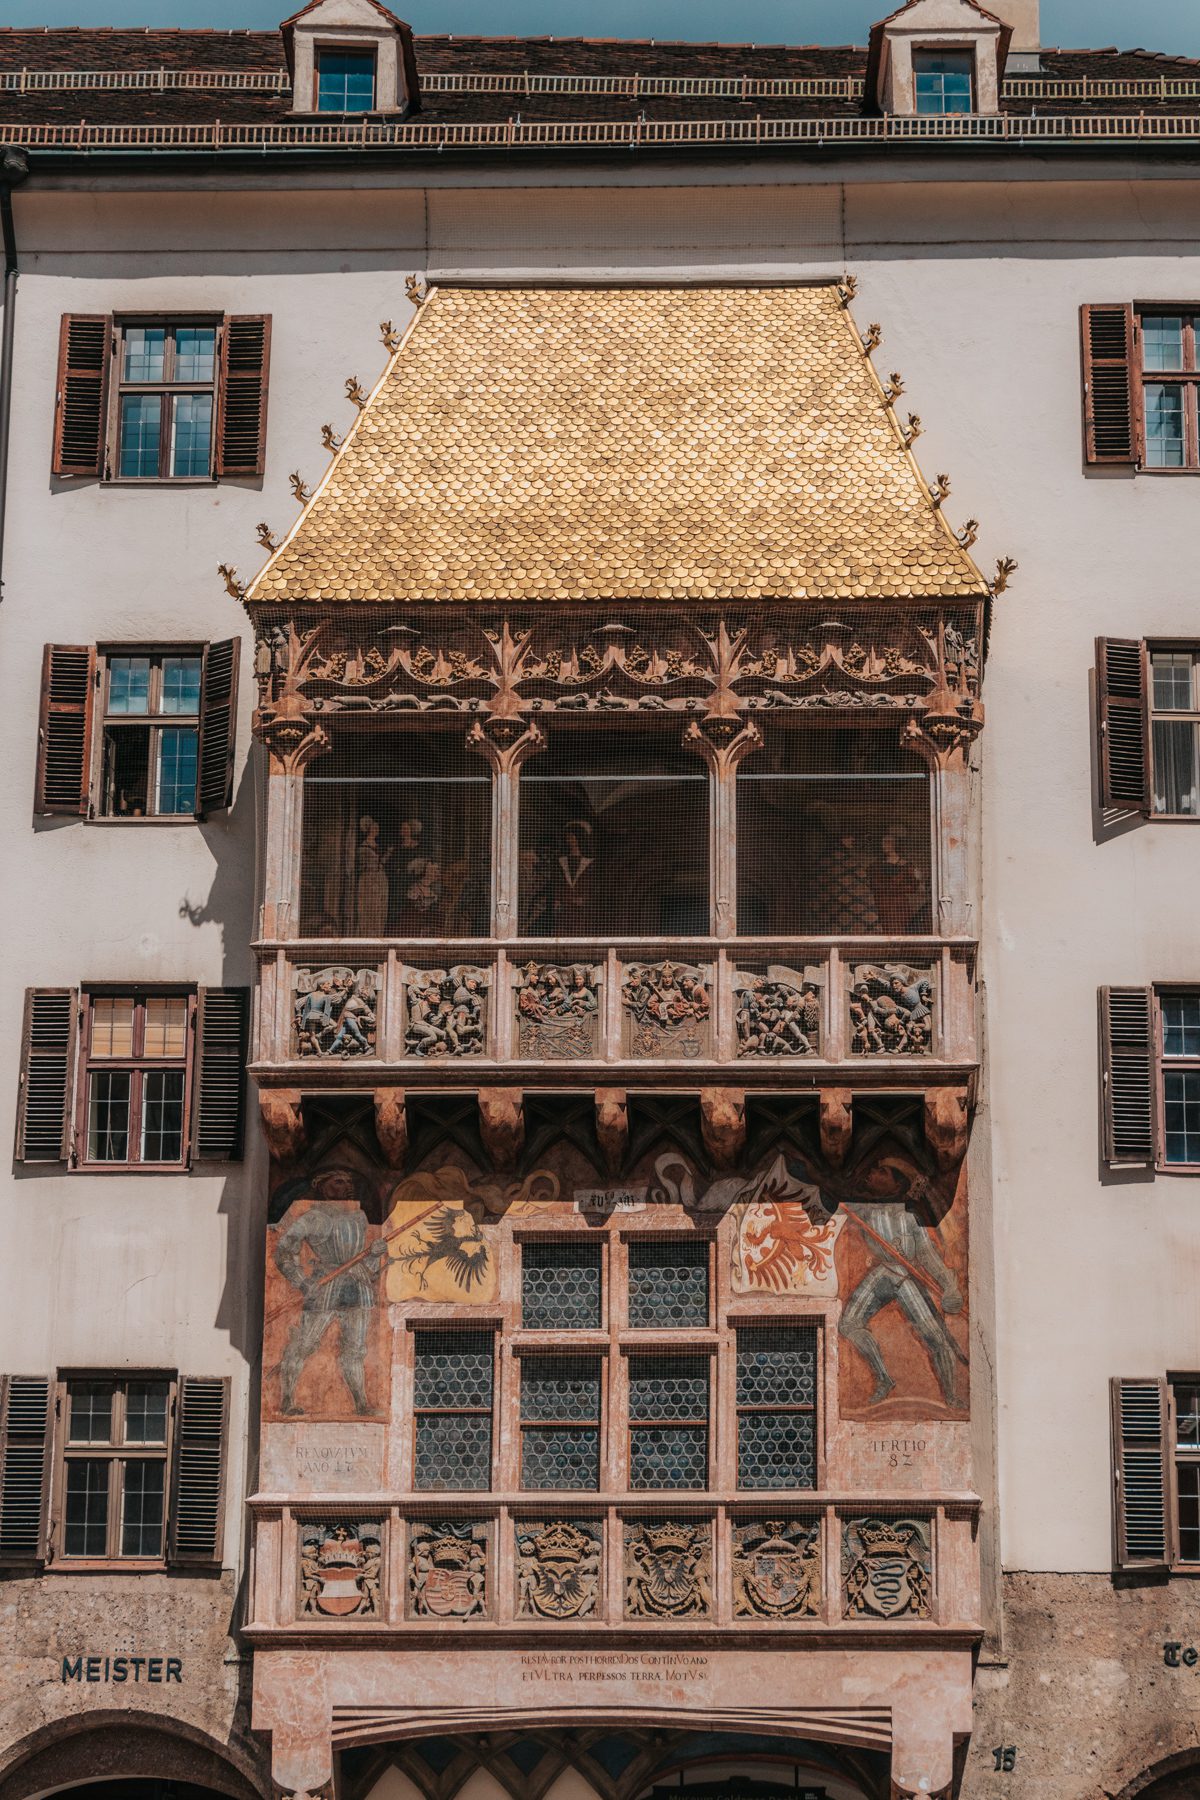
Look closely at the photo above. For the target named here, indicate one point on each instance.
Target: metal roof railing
(633, 134)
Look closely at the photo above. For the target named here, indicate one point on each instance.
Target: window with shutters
(612, 1379)
(154, 399)
(136, 1053)
(1151, 1077)
(1185, 1417)
(1148, 696)
(1141, 379)
(1179, 1050)
(133, 731)
(112, 1492)
(1170, 379)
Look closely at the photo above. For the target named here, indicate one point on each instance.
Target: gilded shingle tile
(622, 443)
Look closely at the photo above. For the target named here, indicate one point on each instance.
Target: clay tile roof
(559, 443)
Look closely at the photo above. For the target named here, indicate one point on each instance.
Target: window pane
(1164, 425)
(853, 800)
(146, 1412)
(1189, 1511)
(125, 772)
(180, 684)
(668, 1412)
(1176, 786)
(943, 82)
(560, 1287)
(166, 1025)
(195, 352)
(108, 1116)
(85, 1525)
(175, 789)
(1181, 1024)
(453, 1443)
(142, 1509)
(668, 1284)
(560, 1415)
(1187, 1414)
(129, 684)
(345, 81)
(777, 1369)
(454, 1451)
(397, 838)
(112, 1025)
(1181, 1105)
(453, 1369)
(145, 352)
(191, 434)
(614, 835)
(141, 431)
(162, 1115)
(90, 1411)
(1162, 341)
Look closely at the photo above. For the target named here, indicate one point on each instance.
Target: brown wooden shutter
(47, 1080)
(1142, 1533)
(1127, 1042)
(24, 1467)
(242, 399)
(218, 1114)
(1124, 713)
(81, 405)
(1111, 390)
(218, 723)
(195, 1533)
(64, 759)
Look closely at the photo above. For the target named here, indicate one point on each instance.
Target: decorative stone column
(292, 739)
(506, 741)
(724, 741)
(943, 736)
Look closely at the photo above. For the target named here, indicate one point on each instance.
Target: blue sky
(1172, 25)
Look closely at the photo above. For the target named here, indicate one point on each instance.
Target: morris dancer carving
(891, 1011)
(778, 1014)
(333, 1012)
(446, 1011)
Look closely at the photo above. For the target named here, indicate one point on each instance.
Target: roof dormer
(937, 57)
(350, 57)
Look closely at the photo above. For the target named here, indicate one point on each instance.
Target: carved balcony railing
(768, 1009)
(855, 1564)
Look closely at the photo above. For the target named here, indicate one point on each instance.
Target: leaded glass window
(668, 1283)
(560, 1421)
(776, 1406)
(452, 1400)
(561, 1286)
(668, 1421)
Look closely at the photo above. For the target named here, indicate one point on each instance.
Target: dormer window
(943, 81)
(345, 79)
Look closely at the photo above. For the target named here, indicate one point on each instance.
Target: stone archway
(87, 1759)
(1173, 1778)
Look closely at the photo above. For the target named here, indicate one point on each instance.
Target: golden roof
(622, 443)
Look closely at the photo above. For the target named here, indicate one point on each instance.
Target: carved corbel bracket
(946, 728)
(946, 1121)
(612, 1128)
(506, 742)
(282, 1114)
(722, 742)
(391, 1125)
(502, 1125)
(837, 1124)
(290, 735)
(723, 1124)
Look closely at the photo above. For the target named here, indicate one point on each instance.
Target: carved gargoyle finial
(912, 431)
(894, 388)
(1005, 566)
(940, 490)
(354, 391)
(873, 339)
(229, 576)
(414, 287)
(389, 334)
(847, 288)
(330, 438)
(299, 487)
(266, 536)
(968, 534)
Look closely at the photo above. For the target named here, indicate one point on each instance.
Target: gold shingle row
(622, 443)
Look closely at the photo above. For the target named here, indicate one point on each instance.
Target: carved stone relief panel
(448, 1572)
(558, 1009)
(340, 1569)
(890, 1010)
(886, 1568)
(335, 1012)
(559, 1565)
(668, 1009)
(668, 1569)
(777, 1569)
(446, 1011)
(778, 1012)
